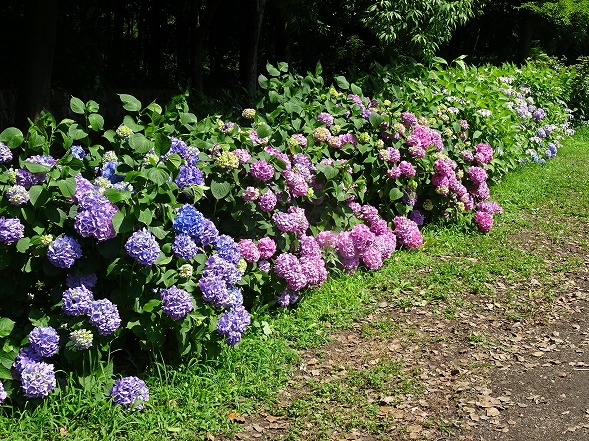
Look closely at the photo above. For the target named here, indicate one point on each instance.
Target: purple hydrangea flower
(104, 315)
(407, 169)
(17, 195)
(78, 152)
(143, 247)
(490, 207)
(248, 250)
(372, 257)
(227, 249)
(208, 233)
(477, 175)
(233, 323)
(287, 297)
(267, 247)
(214, 289)
(250, 194)
(326, 118)
(3, 394)
(262, 170)
(44, 341)
(176, 302)
(37, 379)
(64, 251)
(314, 270)
(484, 153)
(95, 219)
(25, 357)
(242, 155)
(326, 239)
(77, 301)
(108, 171)
(417, 217)
(264, 265)
(267, 201)
(408, 118)
(189, 175)
(484, 221)
(216, 266)
(407, 232)
(11, 230)
(184, 247)
(130, 392)
(286, 222)
(5, 153)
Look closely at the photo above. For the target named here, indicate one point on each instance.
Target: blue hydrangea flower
(44, 341)
(64, 251)
(108, 171)
(214, 289)
(189, 175)
(5, 153)
(188, 220)
(228, 249)
(104, 315)
(216, 266)
(233, 323)
(78, 152)
(25, 357)
(11, 230)
(77, 301)
(208, 233)
(184, 247)
(143, 247)
(176, 302)
(37, 379)
(130, 392)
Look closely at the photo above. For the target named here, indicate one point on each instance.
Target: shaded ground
(512, 365)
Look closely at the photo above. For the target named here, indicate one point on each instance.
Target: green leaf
(22, 246)
(476, 134)
(375, 119)
(220, 189)
(77, 105)
(75, 132)
(395, 194)
(36, 140)
(67, 187)
(328, 171)
(6, 327)
(272, 70)
(92, 106)
(145, 216)
(264, 131)
(39, 195)
(12, 137)
(140, 143)
(263, 81)
(115, 195)
(187, 118)
(342, 83)
(155, 107)
(151, 305)
(157, 175)
(355, 89)
(130, 103)
(33, 167)
(96, 121)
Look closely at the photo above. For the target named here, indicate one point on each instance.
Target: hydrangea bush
(164, 232)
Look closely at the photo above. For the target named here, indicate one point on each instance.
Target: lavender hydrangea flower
(37, 379)
(77, 301)
(3, 394)
(95, 217)
(267, 201)
(17, 195)
(287, 298)
(176, 302)
(143, 247)
(264, 265)
(248, 250)
(228, 249)
(64, 251)
(104, 315)
(189, 175)
(78, 152)
(262, 170)
(214, 289)
(208, 233)
(407, 232)
(130, 392)
(184, 247)
(267, 247)
(326, 118)
(233, 323)
(250, 194)
(25, 357)
(5, 153)
(81, 339)
(11, 230)
(408, 118)
(216, 266)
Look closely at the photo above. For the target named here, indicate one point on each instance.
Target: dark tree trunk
(525, 37)
(248, 60)
(38, 43)
(203, 13)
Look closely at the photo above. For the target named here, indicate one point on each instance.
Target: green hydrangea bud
(185, 271)
(248, 113)
(387, 103)
(242, 265)
(46, 239)
(227, 160)
(335, 129)
(81, 339)
(379, 144)
(292, 143)
(363, 137)
(11, 176)
(428, 205)
(123, 131)
(109, 156)
(460, 174)
(448, 131)
(460, 206)
(310, 192)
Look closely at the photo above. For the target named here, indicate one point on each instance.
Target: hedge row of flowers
(164, 232)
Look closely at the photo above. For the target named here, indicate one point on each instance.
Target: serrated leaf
(375, 119)
(272, 70)
(155, 107)
(264, 131)
(342, 83)
(395, 194)
(145, 216)
(12, 137)
(220, 189)
(77, 105)
(92, 106)
(151, 305)
(355, 89)
(38, 195)
(23, 245)
(140, 143)
(75, 132)
(6, 327)
(67, 187)
(96, 121)
(157, 175)
(130, 103)
(33, 167)
(328, 171)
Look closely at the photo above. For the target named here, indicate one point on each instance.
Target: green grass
(457, 268)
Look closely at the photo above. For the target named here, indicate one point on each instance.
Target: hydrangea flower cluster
(94, 218)
(176, 302)
(5, 153)
(17, 195)
(143, 247)
(64, 251)
(11, 230)
(130, 392)
(104, 315)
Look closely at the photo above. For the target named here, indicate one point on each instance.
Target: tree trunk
(525, 37)
(248, 60)
(38, 43)
(202, 20)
